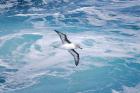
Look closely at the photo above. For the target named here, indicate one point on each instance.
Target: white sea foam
(29, 14)
(126, 89)
(135, 89)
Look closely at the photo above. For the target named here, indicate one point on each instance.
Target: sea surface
(107, 30)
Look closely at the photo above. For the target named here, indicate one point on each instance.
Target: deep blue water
(108, 31)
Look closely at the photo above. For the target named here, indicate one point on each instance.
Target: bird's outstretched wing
(75, 55)
(63, 37)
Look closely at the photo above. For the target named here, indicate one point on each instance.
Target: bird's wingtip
(76, 64)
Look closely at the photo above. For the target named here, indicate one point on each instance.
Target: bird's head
(78, 46)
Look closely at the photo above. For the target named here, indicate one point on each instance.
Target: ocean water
(107, 30)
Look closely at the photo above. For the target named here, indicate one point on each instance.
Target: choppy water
(108, 31)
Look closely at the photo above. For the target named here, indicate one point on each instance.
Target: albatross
(68, 45)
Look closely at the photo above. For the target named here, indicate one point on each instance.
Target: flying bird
(67, 44)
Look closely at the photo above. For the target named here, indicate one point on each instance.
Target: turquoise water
(107, 30)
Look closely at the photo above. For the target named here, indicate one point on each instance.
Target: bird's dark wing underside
(63, 37)
(75, 55)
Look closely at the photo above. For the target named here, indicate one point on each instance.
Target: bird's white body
(68, 46)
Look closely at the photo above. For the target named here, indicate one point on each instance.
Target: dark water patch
(117, 61)
(2, 80)
(120, 23)
(2, 69)
(133, 10)
(127, 34)
(75, 15)
(133, 27)
(49, 18)
(70, 21)
(11, 21)
(37, 19)
(135, 66)
(11, 70)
